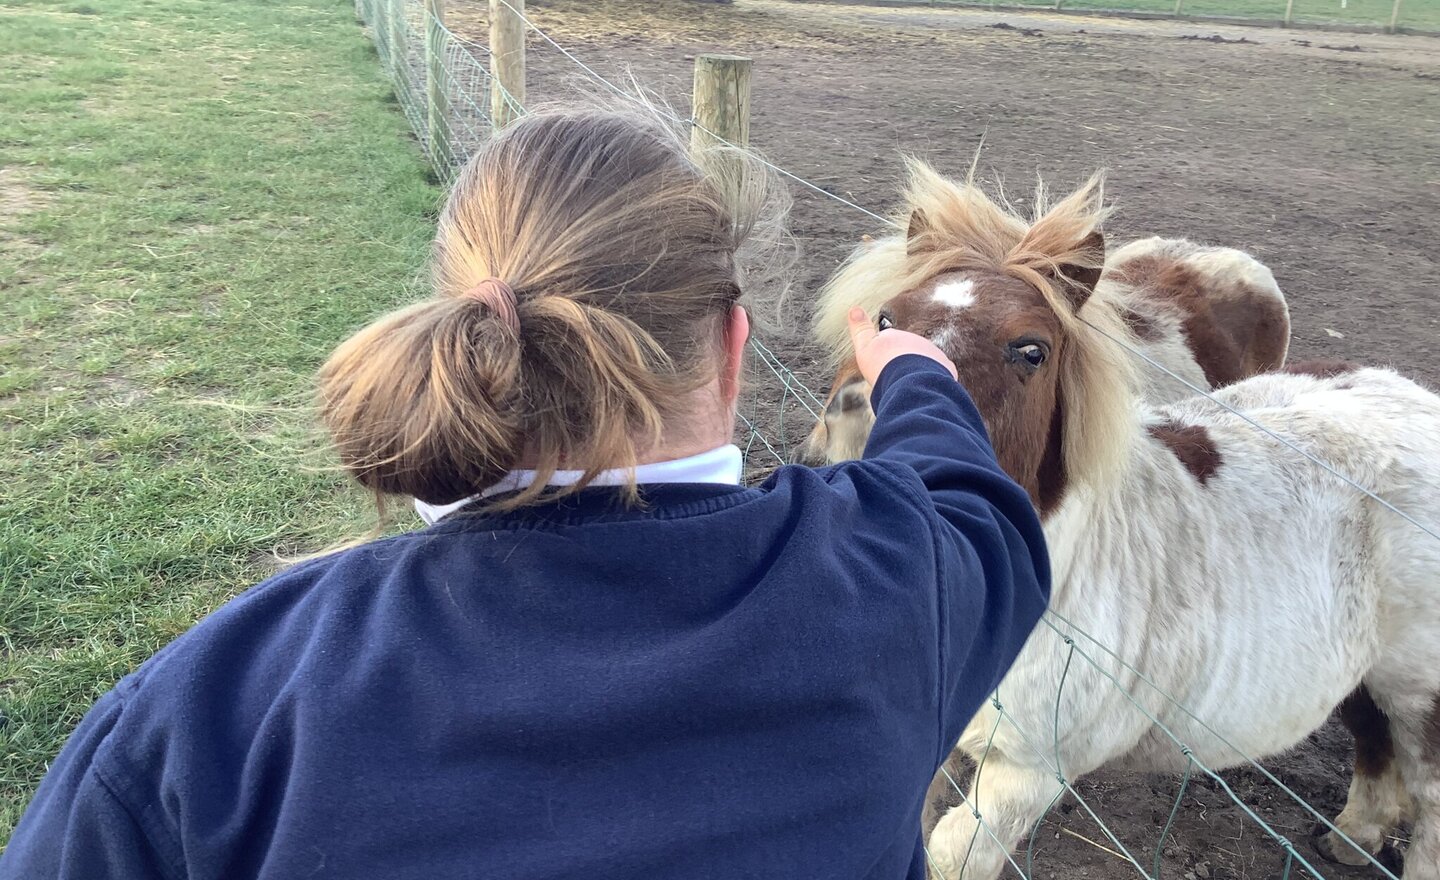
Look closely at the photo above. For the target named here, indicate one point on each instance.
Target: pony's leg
(848, 420)
(1011, 798)
(844, 426)
(943, 793)
(1372, 811)
(813, 451)
(1377, 796)
(1417, 742)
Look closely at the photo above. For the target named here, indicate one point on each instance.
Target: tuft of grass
(198, 200)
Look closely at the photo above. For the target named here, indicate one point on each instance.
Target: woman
(605, 658)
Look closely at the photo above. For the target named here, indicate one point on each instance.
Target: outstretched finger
(862, 331)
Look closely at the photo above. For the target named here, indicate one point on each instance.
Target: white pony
(1255, 588)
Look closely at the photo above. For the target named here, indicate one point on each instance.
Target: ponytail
(583, 266)
(424, 401)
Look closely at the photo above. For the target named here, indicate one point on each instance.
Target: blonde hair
(623, 257)
(952, 226)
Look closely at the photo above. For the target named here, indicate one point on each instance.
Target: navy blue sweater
(727, 683)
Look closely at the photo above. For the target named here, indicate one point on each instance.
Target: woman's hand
(876, 348)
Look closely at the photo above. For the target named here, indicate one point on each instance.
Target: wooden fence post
(507, 61)
(720, 114)
(1394, 18)
(395, 22)
(437, 87)
(1289, 12)
(721, 101)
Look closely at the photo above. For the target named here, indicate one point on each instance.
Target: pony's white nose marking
(955, 294)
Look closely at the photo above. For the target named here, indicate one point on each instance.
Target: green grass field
(1417, 14)
(197, 201)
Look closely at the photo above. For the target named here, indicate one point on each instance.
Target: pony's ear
(919, 225)
(1077, 281)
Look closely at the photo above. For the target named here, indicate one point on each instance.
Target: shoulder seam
(170, 852)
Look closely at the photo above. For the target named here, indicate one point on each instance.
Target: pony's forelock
(962, 227)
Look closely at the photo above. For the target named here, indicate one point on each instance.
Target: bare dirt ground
(1319, 152)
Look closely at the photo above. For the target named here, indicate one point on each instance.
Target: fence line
(1386, 16)
(467, 93)
(590, 71)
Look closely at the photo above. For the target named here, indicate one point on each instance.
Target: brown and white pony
(1256, 589)
(1210, 315)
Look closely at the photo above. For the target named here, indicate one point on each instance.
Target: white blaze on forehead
(955, 294)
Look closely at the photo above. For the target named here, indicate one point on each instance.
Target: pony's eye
(1033, 353)
(884, 322)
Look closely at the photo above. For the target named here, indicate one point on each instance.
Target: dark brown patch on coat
(1367, 722)
(1051, 479)
(1321, 368)
(1192, 445)
(1264, 323)
(1234, 332)
(1143, 326)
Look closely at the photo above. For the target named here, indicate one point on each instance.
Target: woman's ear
(736, 334)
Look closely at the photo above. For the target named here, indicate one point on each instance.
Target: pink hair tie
(500, 297)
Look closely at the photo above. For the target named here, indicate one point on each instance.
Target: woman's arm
(992, 564)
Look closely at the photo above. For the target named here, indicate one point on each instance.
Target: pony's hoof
(1341, 853)
(1333, 851)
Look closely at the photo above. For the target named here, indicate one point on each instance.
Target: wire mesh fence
(446, 90)
(441, 79)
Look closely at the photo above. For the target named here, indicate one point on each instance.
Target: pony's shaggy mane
(958, 227)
